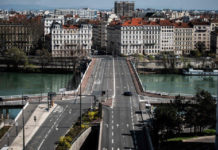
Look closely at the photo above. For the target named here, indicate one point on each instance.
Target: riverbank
(139, 87)
(69, 93)
(48, 65)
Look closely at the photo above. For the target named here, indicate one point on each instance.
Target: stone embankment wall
(139, 87)
(176, 64)
(138, 84)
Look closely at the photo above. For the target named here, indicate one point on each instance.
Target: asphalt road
(121, 123)
(56, 125)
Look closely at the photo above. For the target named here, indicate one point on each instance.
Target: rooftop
(69, 27)
(182, 25)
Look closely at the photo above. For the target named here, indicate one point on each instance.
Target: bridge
(122, 125)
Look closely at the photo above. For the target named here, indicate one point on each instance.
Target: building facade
(124, 8)
(214, 25)
(48, 21)
(183, 39)
(167, 36)
(134, 36)
(201, 34)
(19, 36)
(84, 13)
(70, 40)
(100, 35)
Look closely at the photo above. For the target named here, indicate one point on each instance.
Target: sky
(109, 4)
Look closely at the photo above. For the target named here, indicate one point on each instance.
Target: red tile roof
(133, 22)
(165, 23)
(182, 25)
(70, 27)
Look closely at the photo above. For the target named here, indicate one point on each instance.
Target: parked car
(127, 93)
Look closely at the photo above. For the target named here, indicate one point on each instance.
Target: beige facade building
(183, 39)
(69, 40)
(201, 34)
(19, 36)
(134, 36)
(214, 25)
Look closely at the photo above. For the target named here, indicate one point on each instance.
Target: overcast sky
(108, 4)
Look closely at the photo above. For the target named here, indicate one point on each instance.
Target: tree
(44, 56)
(202, 113)
(166, 121)
(206, 109)
(200, 46)
(16, 56)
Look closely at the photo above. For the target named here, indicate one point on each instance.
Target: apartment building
(167, 36)
(70, 40)
(134, 36)
(183, 38)
(214, 25)
(100, 34)
(48, 21)
(124, 8)
(201, 34)
(12, 35)
(84, 13)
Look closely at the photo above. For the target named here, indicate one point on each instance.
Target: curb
(100, 135)
(18, 115)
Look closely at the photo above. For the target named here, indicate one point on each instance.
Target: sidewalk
(202, 139)
(31, 127)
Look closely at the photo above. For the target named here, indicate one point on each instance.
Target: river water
(178, 84)
(33, 83)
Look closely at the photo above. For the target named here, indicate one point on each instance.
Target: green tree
(44, 56)
(200, 46)
(16, 56)
(206, 109)
(201, 113)
(166, 121)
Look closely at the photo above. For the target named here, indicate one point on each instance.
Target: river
(12, 83)
(178, 84)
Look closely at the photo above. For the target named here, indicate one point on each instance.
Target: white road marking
(112, 121)
(112, 127)
(112, 141)
(114, 85)
(51, 128)
(127, 125)
(117, 125)
(112, 133)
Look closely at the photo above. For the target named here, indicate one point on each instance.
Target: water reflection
(178, 83)
(32, 83)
